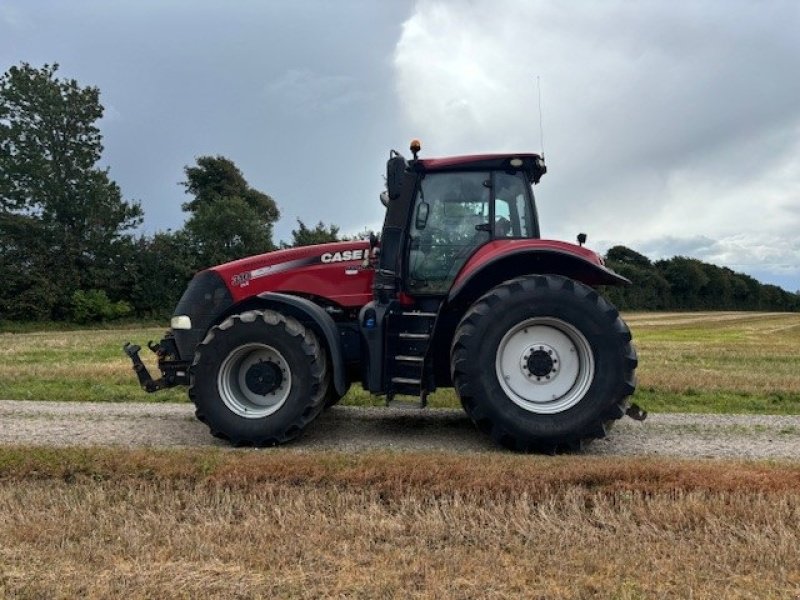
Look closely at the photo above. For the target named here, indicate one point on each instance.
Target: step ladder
(409, 338)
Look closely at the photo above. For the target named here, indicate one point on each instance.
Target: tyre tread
(460, 364)
(319, 373)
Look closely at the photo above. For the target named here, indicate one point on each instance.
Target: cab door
(455, 213)
(449, 220)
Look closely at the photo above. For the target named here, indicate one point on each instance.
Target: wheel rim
(254, 381)
(544, 365)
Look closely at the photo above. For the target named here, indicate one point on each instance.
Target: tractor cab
(439, 213)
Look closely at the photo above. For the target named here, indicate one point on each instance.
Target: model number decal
(242, 279)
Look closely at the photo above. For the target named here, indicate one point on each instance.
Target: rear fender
(321, 323)
(479, 275)
(529, 262)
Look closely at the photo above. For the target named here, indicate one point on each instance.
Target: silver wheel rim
(544, 365)
(233, 388)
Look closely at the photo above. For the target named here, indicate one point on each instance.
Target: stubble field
(178, 524)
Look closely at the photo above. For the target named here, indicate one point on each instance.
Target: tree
(321, 234)
(157, 271)
(229, 219)
(686, 278)
(649, 290)
(623, 255)
(52, 192)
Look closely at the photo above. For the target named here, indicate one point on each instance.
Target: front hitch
(174, 372)
(147, 382)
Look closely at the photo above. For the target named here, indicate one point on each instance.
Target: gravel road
(354, 429)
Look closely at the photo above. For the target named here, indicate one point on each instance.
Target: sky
(669, 127)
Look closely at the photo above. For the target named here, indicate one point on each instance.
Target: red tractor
(460, 292)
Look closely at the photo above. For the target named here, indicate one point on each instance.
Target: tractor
(458, 291)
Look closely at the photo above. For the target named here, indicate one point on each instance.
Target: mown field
(294, 523)
(689, 362)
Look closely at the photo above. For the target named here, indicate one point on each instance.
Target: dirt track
(355, 429)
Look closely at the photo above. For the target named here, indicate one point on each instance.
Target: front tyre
(259, 378)
(543, 362)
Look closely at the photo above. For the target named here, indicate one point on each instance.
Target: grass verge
(689, 362)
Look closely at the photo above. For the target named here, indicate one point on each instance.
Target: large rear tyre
(258, 379)
(543, 363)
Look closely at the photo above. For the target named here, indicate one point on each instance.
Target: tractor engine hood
(332, 272)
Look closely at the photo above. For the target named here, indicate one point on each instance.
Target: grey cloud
(306, 92)
(664, 121)
(184, 78)
(668, 246)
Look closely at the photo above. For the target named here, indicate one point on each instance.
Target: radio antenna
(541, 128)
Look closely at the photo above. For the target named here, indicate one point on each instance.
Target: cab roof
(532, 164)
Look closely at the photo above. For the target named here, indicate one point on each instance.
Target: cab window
(444, 230)
(453, 216)
(512, 216)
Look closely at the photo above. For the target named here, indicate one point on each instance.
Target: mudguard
(503, 260)
(306, 311)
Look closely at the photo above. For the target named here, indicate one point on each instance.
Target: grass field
(689, 362)
(282, 524)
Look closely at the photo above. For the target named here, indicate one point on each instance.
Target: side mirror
(395, 171)
(581, 239)
(421, 219)
(385, 198)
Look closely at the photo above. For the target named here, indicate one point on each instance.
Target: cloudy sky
(670, 127)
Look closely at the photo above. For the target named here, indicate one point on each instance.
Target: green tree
(320, 234)
(650, 291)
(157, 269)
(54, 200)
(624, 255)
(686, 278)
(29, 287)
(228, 218)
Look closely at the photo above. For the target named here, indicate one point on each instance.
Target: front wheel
(543, 362)
(259, 378)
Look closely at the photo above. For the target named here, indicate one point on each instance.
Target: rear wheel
(259, 378)
(543, 362)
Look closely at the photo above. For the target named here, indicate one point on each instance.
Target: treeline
(68, 247)
(682, 283)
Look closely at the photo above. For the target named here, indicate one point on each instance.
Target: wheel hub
(544, 365)
(540, 362)
(254, 380)
(263, 378)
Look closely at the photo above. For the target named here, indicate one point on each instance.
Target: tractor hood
(333, 272)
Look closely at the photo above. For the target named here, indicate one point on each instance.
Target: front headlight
(180, 322)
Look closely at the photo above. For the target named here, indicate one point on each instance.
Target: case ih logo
(344, 255)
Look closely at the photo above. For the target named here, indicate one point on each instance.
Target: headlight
(180, 322)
